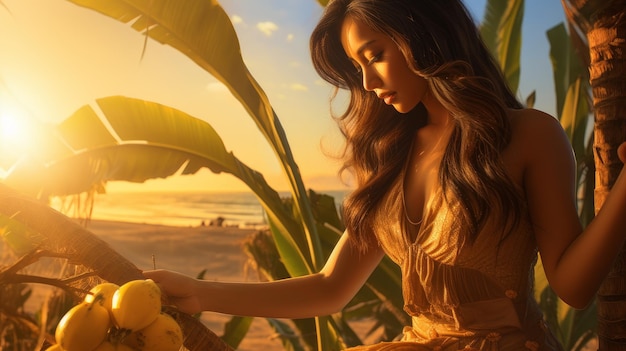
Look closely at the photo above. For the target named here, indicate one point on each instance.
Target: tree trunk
(607, 70)
(81, 247)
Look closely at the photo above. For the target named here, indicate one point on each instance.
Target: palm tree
(598, 27)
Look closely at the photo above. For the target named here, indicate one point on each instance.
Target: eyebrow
(364, 46)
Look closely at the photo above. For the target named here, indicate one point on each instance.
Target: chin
(403, 109)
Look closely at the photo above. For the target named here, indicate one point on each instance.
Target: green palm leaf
(501, 30)
(143, 140)
(201, 30)
(573, 96)
(236, 329)
(573, 327)
(136, 140)
(566, 64)
(286, 334)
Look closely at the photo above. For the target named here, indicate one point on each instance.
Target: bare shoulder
(536, 129)
(533, 121)
(538, 142)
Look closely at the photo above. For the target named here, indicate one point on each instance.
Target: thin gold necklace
(419, 222)
(421, 154)
(403, 190)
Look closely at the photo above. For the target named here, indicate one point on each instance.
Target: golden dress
(461, 296)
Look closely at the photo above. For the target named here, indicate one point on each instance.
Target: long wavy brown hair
(441, 43)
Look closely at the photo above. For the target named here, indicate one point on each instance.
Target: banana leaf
(140, 140)
(501, 30)
(566, 66)
(20, 238)
(286, 334)
(236, 329)
(201, 30)
(574, 328)
(573, 98)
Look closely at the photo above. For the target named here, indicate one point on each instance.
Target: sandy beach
(190, 251)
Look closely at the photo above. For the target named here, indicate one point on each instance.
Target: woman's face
(382, 65)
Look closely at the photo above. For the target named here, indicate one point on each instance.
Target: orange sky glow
(57, 57)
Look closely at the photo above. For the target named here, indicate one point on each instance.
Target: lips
(387, 97)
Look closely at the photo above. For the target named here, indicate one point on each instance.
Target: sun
(11, 128)
(17, 134)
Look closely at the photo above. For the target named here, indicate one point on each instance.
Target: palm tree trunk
(607, 70)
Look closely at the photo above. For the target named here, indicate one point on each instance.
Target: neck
(437, 113)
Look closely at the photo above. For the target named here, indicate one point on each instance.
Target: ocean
(241, 209)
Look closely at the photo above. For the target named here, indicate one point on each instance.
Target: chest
(421, 182)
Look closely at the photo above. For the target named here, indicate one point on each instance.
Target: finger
(155, 275)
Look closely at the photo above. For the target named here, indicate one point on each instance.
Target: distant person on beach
(457, 183)
(218, 222)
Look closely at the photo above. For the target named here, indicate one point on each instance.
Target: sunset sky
(56, 57)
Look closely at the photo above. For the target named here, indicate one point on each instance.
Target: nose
(371, 80)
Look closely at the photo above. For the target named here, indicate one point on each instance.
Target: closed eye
(375, 59)
(370, 62)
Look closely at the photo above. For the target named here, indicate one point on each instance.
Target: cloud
(236, 19)
(299, 87)
(216, 87)
(290, 37)
(268, 28)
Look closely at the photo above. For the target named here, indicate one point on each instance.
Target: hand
(178, 288)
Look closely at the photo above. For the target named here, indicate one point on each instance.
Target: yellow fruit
(164, 334)
(83, 327)
(105, 346)
(108, 346)
(136, 304)
(103, 293)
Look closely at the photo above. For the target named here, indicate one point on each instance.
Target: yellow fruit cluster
(119, 318)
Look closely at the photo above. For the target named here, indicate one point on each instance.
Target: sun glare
(15, 130)
(12, 130)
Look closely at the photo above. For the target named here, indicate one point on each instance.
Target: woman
(457, 182)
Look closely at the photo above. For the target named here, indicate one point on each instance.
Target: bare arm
(312, 295)
(575, 261)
